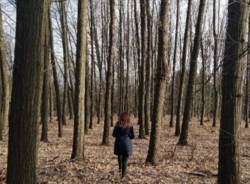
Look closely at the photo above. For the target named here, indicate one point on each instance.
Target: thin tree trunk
(147, 69)
(51, 99)
(161, 85)
(27, 79)
(215, 106)
(4, 82)
(192, 75)
(112, 96)
(203, 70)
(121, 59)
(171, 123)
(247, 79)
(81, 59)
(86, 101)
(127, 105)
(183, 69)
(55, 79)
(105, 140)
(100, 67)
(142, 69)
(45, 91)
(63, 19)
(138, 46)
(92, 100)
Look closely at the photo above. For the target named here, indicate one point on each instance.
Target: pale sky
(9, 18)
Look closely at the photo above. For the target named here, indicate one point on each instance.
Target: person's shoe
(123, 174)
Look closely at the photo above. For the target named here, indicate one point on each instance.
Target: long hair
(124, 120)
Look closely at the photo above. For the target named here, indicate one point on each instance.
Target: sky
(9, 18)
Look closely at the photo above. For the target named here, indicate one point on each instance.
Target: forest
(124, 91)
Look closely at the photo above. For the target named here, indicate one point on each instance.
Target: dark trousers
(122, 161)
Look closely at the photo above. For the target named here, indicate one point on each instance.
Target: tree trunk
(203, 70)
(45, 91)
(171, 123)
(161, 84)
(26, 95)
(92, 100)
(112, 96)
(4, 83)
(86, 101)
(100, 67)
(192, 75)
(141, 119)
(215, 106)
(64, 29)
(121, 59)
(147, 70)
(55, 79)
(138, 46)
(247, 79)
(183, 69)
(81, 59)
(105, 140)
(127, 105)
(51, 99)
(232, 73)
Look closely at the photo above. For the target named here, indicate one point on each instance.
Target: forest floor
(196, 163)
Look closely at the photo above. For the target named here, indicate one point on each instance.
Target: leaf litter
(192, 164)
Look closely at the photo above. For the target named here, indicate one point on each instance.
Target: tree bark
(4, 82)
(147, 69)
(203, 71)
(81, 59)
(26, 95)
(142, 69)
(171, 123)
(232, 73)
(92, 100)
(247, 79)
(192, 75)
(183, 70)
(215, 106)
(161, 84)
(105, 140)
(45, 91)
(64, 29)
(138, 46)
(55, 79)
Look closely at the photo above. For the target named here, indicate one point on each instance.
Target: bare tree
(192, 75)
(105, 140)
(161, 84)
(81, 59)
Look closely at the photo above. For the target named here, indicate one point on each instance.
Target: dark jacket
(123, 143)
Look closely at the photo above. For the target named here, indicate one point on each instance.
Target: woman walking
(123, 133)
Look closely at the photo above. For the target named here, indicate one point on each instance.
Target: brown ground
(196, 163)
